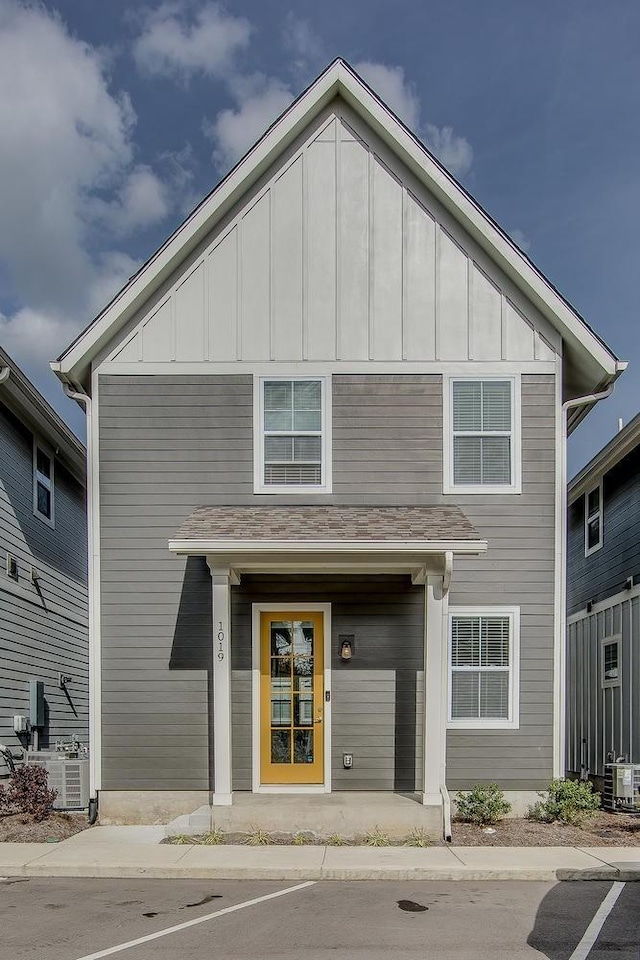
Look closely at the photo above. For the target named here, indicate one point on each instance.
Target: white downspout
(94, 626)
(560, 684)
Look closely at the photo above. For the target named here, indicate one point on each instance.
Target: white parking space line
(192, 923)
(592, 932)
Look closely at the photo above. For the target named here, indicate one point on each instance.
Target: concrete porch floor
(347, 814)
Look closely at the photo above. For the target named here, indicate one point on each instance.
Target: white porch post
(221, 577)
(435, 688)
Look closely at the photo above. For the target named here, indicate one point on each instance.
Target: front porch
(348, 814)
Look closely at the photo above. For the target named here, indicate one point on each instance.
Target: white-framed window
(43, 483)
(593, 519)
(484, 667)
(292, 434)
(610, 665)
(482, 435)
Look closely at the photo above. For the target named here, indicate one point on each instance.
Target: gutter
(94, 610)
(4, 374)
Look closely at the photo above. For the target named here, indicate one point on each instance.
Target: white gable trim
(337, 79)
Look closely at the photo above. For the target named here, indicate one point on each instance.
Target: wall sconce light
(347, 647)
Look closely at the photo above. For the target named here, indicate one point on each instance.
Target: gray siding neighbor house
(43, 568)
(327, 432)
(603, 607)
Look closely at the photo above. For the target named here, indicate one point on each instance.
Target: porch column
(221, 577)
(435, 688)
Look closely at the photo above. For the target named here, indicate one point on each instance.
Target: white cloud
(520, 239)
(305, 46)
(179, 40)
(72, 185)
(390, 85)
(454, 151)
(260, 100)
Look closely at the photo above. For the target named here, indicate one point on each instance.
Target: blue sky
(117, 118)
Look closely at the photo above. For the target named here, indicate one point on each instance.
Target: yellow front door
(291, 697)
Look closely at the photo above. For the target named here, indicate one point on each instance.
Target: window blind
(292, 432)
(480, 667)
(482, 432)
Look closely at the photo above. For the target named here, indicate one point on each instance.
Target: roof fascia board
(476, 221)
(201, 547)
(22, 398)
(201, 222)
(338, 78)
(610, 455)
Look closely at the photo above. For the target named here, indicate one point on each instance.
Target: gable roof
(18, 393)
(611, 454)
(589, 363)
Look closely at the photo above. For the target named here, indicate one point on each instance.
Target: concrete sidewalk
(137, 852)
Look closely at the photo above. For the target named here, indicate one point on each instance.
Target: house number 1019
(220, 642)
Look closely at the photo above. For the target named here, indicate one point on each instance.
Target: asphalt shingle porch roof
(331, 524)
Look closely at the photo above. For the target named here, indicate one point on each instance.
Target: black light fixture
(347, 647)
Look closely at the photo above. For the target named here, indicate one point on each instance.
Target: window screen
(292, 421)
(480, 666)
(482, 432)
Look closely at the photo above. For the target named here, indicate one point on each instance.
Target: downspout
(94, 651)
(561, 663)
(444, 793)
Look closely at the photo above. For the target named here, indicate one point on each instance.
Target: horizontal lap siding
(43, 630)
(165, 444)
(518, 569)
(604, 573)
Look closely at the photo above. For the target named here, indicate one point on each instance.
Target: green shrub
(569, 801)
(482, 805)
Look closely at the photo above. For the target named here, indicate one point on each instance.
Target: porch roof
(327, 529)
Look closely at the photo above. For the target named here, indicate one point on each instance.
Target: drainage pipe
(446, 812)
(94, 636)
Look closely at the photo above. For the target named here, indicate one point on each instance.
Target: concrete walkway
(137, 852)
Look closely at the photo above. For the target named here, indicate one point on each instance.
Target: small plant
(376, 838)
(181, 838)
(213, 838)
(418, 838)
(29, 791)
(300, 839)
(569, 801)
(259, 838)
(483, 805)
(335, 840)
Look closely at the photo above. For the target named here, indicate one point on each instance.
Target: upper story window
(593, 520)
(43, 488)
(483, 667)
(482, 442)
(292, 440)
(610, 662)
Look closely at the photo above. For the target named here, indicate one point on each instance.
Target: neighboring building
(327, 443)
(43, 572)
(603, 607)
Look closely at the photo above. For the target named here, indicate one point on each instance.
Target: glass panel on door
(292, 686)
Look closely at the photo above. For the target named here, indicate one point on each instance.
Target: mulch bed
(604, 830)
(57, 826)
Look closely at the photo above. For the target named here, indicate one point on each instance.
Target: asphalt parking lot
(65, 919)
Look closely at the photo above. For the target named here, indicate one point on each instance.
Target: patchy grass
(214, 838)
(418, 838)
(376, 838)
(335, 840)
(259, 838)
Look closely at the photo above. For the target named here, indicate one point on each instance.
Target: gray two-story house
(44, 674)
(603, 608)
(327, 454)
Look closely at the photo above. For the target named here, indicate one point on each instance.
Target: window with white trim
(293, 435)
(484, 435)
(610, 662)
(593, 520)
(43, 488)
(483, 667)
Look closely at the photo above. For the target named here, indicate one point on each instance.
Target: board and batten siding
(604, 572)
(169, 444)
(43, 629)
(603, 721)
(338, 254)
